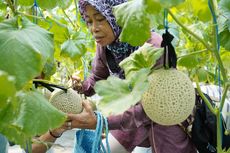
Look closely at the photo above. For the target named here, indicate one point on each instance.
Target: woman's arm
(45, 141)
(130, 119)
(155, 40)
(42, 144)
(99, 72)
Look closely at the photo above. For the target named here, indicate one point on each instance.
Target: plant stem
(216, 47)
(11, 5)
(71, 22)
(210, 107)
(189, 31)
(76, 8)
(219, 131)
(193, 53)
(32, 16)
(15, 4)
(213, 6)
(223, 97)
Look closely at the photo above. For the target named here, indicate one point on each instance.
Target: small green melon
(170, 98)
(68, 102)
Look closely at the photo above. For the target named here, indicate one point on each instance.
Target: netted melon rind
(170, 98)
(68, 102)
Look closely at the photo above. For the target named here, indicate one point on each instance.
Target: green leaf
(225, 8)
(225, 57)
(134, 18)
(49, 68)
(36, 114)
(30, 115)
(170, 3)
(45, 4)
(59, 29)
(202, 12)
(64, 3)
(202, 75)
(116, 92)
(24, 48)
(225, 39)
(73, 49)
(225, 150)
(145, 57)
(7, 88)
(26, 2)
(188, 61)
(224, 24)
(8, 113)
(2, 5)
(14, 135)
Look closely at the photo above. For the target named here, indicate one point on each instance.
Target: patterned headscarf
(119, 49)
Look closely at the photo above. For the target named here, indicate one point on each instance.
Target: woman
(132, 128)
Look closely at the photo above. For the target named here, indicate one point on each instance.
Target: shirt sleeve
(131, 119)
(155, 39)
(99, 72)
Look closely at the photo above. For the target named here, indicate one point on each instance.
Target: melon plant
(170, 97)
(68, 102)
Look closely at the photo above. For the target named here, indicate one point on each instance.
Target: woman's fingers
(86, 119)
(76, 83)
(68, 125)
(87, 106)
(81, 121)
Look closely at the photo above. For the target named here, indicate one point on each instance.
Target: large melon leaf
(24, 49)
(30, 115)
(202, 74)
(36, 114)
(116, 92)
(188, 61)
(73, 49)
(7, 88)
(225, 9)
(225, 57)
(8, 114)
(14, 135)
(224, 24)
(145, 57)
(59, 29)
(135, 16)
(203, 11)
(225, 39)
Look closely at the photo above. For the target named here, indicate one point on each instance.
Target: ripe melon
(170, 98)
(68, 102)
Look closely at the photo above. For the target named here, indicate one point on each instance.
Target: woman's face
(99, 26)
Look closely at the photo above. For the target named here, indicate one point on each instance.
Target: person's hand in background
(86, 119)
(76, 83)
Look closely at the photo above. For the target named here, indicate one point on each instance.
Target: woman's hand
(56, 133)
(76, 83)
(86, 120)
(45, 141)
